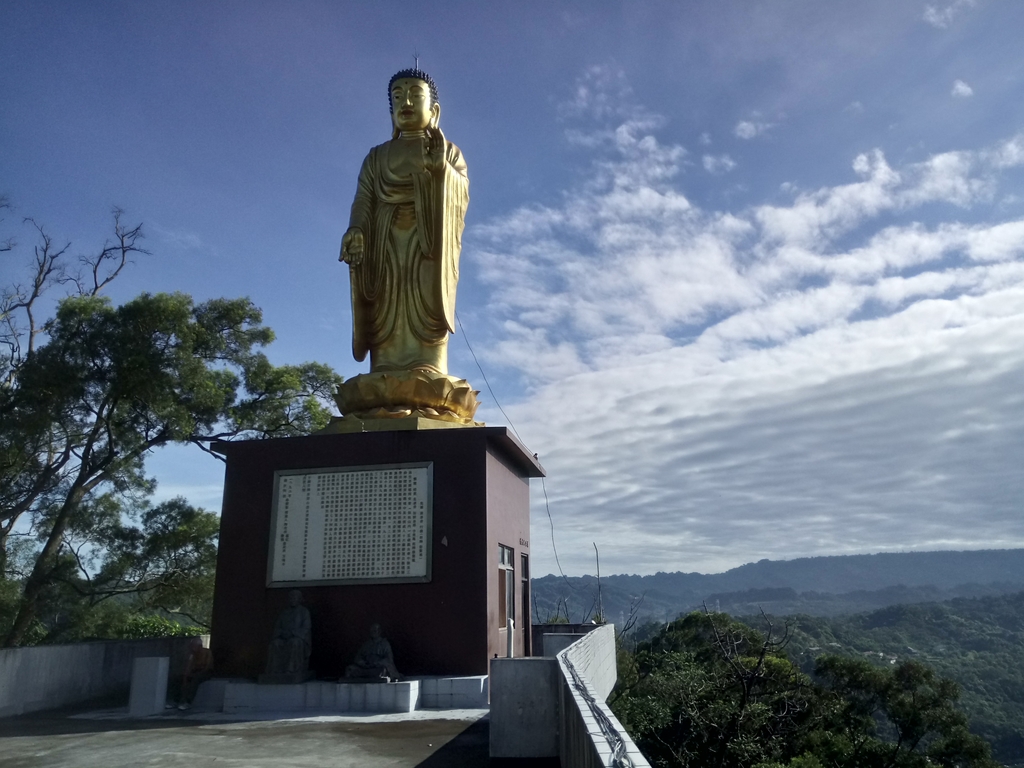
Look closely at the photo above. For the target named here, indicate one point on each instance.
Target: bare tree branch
(108, 263)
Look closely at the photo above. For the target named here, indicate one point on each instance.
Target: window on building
(524, 578)
(506, 585)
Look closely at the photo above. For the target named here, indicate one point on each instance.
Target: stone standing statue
(290, 644)
(402, 247)
(374, 659)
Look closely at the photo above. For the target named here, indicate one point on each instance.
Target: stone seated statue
(288, 654)
(374, 659)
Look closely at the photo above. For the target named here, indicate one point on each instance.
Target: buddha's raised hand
(434, 157)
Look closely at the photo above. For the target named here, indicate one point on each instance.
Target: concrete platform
(110, 738)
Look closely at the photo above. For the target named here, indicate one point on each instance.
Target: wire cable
(481, 369)
(616, 741)
(551, 525)
(547, 505)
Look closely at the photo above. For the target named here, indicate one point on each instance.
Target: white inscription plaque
(352, 525)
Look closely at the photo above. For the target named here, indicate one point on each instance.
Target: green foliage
(168, 561)
(116, 566)
(908, 706)
(711, 691)
(139, 627)
(708, 691)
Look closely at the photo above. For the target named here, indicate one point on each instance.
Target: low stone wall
(49, 676)
(242, 696)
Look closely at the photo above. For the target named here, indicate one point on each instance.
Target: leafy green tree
(91, 392)
(977, 642)
(711, 691)
(20, 328)
(157, 563)
(898, 717)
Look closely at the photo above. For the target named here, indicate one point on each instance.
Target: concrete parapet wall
(589, 734)
(49, 676)
(548, 707)
(593, 656)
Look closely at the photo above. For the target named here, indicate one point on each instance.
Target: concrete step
(236, 697)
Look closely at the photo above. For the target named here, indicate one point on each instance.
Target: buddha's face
(412, 109)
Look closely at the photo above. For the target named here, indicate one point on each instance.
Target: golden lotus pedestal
(404, 400)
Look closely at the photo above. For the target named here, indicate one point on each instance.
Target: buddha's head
(412, 95)
(375, 631)
(294, 598)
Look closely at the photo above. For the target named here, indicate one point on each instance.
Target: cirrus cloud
(707, 387)
(941, 18)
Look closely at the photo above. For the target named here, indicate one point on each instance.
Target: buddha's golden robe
(403, 289)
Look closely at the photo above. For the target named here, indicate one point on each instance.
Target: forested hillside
(818, 586)
(706, 690)
(979, 643)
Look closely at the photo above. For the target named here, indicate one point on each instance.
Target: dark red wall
(507, 493)
(446, 626)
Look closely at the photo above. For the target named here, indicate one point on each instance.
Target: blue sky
(748, 276)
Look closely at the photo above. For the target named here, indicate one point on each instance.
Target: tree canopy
(978, 642)
(710, 691)
(91, 392)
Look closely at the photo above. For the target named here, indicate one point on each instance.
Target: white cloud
(179, 238)
(1007, 154)
(602, 91)
(748, 129)
(720, 164)
(941, 18)
(961, 90)
(711, 387)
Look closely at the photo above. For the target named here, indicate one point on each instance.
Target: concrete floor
(109, 739)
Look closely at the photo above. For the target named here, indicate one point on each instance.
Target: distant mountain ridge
(821, 586)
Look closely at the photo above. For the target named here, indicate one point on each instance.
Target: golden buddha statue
(402, 247)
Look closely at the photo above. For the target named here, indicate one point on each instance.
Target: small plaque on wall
(351, 525)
